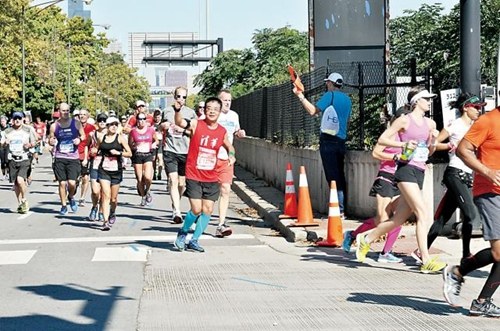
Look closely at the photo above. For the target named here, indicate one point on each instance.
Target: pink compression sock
(366, 226)
(392, 236)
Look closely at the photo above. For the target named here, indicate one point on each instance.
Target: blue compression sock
(188, 221)
(201, 225)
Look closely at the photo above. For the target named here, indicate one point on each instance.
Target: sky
(233, 20)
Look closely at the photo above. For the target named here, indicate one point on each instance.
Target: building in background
(75, 8)
(162, 77)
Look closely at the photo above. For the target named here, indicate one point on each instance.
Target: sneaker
(112, 219)
(485, 308)
(177, 219)
(23, 207)
(180, 241)
(81, 203)
(432, 266)
(223, 230)
(101, 217)
(73, 205)
(347, 242)
(63, 211)
(451, 286)
(149, 198)
(194, 246)
(389, 258)
(362, 247)
(143, 201)
(417, 256)
(93, 214)
(106, 227)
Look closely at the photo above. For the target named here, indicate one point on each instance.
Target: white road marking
(120, 254)
(127, 239)
(28, 214)
(16, 257)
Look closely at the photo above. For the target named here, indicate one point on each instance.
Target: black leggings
(458, 195)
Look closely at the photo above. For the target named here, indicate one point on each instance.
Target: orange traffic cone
(290, 196)
(305, 215)
(334, 235)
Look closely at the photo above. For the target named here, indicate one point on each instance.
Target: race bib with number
(16, 146)
(421, 153)
(67, 147)
(96, 162)
(143, 147)
(207, 158)
(110, 163)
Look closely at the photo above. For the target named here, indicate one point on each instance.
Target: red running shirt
(202, 153)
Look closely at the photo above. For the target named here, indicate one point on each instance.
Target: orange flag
(295, 79)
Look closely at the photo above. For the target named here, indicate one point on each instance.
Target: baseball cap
(139, 103)
(335, 78)
(474, 100)
(101, 117)
(18, 114)
(76, 112)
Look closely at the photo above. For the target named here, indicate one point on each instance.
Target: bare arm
(386, 138)
(180, 121)
(443, 135)
(379, 154)
(126, 148)
(230, 150)
(466, 151)
(308, 106)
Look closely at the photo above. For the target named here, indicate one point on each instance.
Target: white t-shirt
(231, 122)
(457, 130)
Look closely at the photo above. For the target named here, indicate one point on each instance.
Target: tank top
(419, 133)
(110, 162)
(202, 153)
(142, 141)
(65, 148)
(389, 166)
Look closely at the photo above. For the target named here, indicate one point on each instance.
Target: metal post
(470, 46)
(69, 75)
(361, 107)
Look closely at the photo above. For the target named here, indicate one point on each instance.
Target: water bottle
(407, 153)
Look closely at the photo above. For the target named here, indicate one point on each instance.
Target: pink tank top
(389, 166)
(142, 141)
(419, 133)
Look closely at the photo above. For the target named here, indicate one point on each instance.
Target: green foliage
(245, 70)
(64, 60)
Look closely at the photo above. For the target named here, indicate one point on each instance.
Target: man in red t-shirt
(84, 156)
(202, 187)
(480, 150)
(41, 133)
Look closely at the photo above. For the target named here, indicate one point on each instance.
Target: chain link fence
(274, 113)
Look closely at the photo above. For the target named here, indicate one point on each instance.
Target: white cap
(420, 95)
(76, 112)
(112, 120)
(335, 78)
(140, 103)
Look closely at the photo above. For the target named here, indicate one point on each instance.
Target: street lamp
(45, 5)
(105, 26)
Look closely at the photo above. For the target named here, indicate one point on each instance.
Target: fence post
(361, 106)
(413, 68)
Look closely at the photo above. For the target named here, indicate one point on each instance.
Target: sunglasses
(478, 107)
(141, 118)
(101, 120)
(17, 118)
(181, 96)
(201, 107)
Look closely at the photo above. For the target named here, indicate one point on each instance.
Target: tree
(245, 70)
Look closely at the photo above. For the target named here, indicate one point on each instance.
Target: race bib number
(421, 153)
(173, 132)
(16, 146)
(110, 163)
(143, 147)
(96, 162)
(67, 147)
(207, 158)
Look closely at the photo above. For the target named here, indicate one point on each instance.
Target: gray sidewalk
(268, 201)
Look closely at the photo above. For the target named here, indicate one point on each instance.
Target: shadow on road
(98, 306)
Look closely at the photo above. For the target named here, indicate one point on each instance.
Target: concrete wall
(268, 161)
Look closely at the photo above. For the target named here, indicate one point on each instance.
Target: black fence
(274, 113)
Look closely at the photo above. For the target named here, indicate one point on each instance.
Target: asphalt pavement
(63, 273)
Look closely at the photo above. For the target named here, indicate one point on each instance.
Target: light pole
(45, 5)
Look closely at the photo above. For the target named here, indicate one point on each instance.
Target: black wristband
(395, 157)
(177, 110)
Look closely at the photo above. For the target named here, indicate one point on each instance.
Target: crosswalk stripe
(28, 214)
(121, 254)
(16, 257)
(167, 238)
